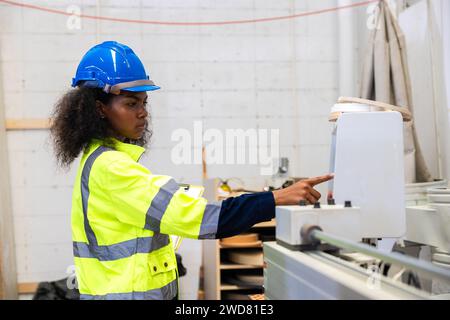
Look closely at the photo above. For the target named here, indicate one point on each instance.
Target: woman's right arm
(159, 204)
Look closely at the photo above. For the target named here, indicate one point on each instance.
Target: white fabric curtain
(386, 78)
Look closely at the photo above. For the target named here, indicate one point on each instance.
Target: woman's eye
(135, 104)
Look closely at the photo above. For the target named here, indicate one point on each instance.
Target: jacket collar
(134, 151)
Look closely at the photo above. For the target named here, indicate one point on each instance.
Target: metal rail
(315, 234)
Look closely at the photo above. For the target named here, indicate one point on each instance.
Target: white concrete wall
(280, 74)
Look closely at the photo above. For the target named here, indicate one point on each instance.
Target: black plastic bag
(181, 269)
(56, 290)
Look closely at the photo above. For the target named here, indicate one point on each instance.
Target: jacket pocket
(162, 261)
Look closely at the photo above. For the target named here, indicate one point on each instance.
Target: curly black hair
(76, 121)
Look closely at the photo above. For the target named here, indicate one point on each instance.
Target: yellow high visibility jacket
(122, 216)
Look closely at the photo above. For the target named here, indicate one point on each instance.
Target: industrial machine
(428, 226)
(345, 249)
(430, 223)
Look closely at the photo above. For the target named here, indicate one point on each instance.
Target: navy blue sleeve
(239, 214)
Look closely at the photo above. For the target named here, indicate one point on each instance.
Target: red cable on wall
(186, 23)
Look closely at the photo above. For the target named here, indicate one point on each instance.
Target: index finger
(317, 180)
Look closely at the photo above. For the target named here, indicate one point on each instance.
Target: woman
(122, 213)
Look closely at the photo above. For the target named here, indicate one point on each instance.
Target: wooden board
(406, 114)
(242, 238)
(252, 257)
(256, 244)
(27, 287)
(271, 223)
(28, 124)
(235, 266)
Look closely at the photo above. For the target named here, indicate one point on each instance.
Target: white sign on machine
(369, 170)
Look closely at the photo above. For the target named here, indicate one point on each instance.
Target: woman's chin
(137, 137)
(138, 133)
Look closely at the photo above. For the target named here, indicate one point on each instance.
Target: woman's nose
(143, 113)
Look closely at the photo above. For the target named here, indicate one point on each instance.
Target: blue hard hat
(112, 66)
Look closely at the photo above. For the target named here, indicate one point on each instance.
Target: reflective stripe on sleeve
(159, 205)
(210, 221)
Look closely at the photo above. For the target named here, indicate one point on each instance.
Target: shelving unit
(216, 266)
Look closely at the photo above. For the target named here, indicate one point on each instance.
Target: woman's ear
(100, 108)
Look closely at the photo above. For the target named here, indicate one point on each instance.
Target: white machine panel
(369, 170)
(333, 219)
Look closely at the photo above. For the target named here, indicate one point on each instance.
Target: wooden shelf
(215, 261)
(235, 266)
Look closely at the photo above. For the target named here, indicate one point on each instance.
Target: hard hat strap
(115, 89)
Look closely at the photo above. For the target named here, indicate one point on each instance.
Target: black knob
(165, 264)
(317, 205)
(303, 203)
(154, 269)
(348, 204)
(331, 202)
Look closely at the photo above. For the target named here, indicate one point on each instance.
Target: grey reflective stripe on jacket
(159, 205)
(85, 191)
(167, 292)
(210, 221)
(120, 250)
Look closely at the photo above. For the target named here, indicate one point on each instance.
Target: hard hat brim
(142, 88)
